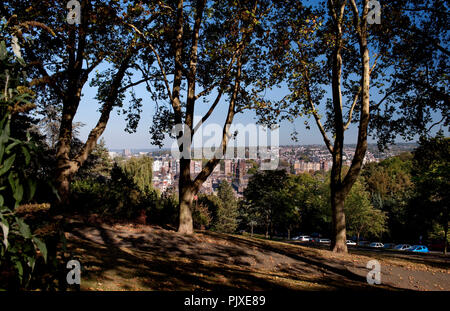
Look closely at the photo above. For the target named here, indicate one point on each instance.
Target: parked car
(389, 245)
(363, 243)
(376, 245)
(436, 245)
(402, 247)
(350, 242)
(326, 241)
(301, 238)
(418, 249)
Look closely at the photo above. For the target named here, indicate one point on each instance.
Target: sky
(117, 138)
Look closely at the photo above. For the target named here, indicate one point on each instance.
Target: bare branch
(161, 67)
(211, 109)
(350, 113)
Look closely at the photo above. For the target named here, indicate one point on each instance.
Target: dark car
(436, 246)
(389, 246)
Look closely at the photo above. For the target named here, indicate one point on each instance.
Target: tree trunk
(289, 234)
(64, 166)
(186, 224)
(186, 196)
(445, 236)
(339, 238)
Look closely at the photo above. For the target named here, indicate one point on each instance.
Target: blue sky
(117, 138)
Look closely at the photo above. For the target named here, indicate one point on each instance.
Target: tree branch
(161, 67)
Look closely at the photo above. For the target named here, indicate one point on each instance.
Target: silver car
(376, 245)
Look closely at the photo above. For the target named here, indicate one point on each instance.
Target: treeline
(400, 199)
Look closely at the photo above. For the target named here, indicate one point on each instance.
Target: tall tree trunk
(64, 165)
(186, 196)
(339, 239)
(445, 234)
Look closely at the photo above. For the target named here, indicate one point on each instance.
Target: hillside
(131, 257)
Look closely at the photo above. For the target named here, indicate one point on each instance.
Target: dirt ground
(137, 257)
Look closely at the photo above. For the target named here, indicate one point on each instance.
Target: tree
(391, 189)
(141, 170)
(226, 218)
(431, 172)
(63, 59)
(212, 46)
(98, 164)
(311, 196)
(332, 48)
(362, 218)
(265, 198)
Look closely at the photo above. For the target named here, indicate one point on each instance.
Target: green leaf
(31, 262)
(12, 181)
(32, 188)
(3, 52)
(24, 228)
(7, 164)
(15, 143)
(18, 193)
(41, 246)
(26, 153)
(2, 200)
(19, 268)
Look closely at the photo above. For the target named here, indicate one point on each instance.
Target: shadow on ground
(149, 258)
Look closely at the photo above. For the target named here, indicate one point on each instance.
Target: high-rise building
(127, 152)
(241, 169)
(227, 169)
(156, 165)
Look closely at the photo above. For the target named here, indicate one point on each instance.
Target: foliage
(361, 217)
(201, 215)
(431, 174)
(226, 216)
(391, 190)
(265, 198)
(311, 196)
(98, 164)
(141, 170)
(19, 248)
(123, 198)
